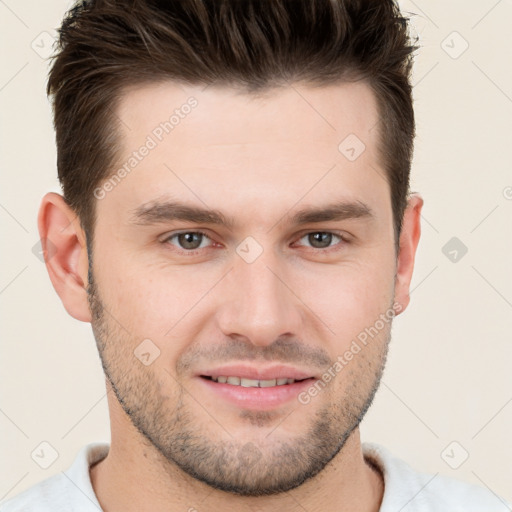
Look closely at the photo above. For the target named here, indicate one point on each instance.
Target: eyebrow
(156, 212)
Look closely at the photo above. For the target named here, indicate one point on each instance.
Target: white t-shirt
(406, 490)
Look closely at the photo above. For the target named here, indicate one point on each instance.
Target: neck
(139, 478)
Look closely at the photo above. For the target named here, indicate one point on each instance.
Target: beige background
(448, 377)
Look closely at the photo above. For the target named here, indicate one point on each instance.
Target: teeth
(252, 383)
(249, 383)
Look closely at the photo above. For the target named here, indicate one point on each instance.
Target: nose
(258, 302)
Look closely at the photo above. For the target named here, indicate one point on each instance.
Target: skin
(257, 160)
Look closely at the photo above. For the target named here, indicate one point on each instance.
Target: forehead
(223, 115)
(205, 145)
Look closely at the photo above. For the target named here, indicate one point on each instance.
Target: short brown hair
(105, 46)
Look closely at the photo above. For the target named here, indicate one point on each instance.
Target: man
(236, 215)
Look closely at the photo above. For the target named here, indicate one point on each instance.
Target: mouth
(252, 388)
(253, 383)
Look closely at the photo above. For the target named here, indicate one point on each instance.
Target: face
(247, 242)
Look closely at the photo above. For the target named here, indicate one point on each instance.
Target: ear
(409, 238)
(65, 253)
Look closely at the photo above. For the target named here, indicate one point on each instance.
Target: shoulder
(68, 491)
(409, 490)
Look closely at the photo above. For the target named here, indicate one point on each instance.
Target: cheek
(347, 297)
(162, 302)
(154, 301)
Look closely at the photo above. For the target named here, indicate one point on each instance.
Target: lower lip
(257, 398)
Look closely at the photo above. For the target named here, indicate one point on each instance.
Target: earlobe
(409, 239)
(65, 252)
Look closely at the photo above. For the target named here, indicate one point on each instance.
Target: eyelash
(192, 252)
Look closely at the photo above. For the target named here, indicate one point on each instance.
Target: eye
(188, 240)
(192, 241)
(322, 239)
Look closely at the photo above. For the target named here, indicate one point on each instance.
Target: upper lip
(255, 373)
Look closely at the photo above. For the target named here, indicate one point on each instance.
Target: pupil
(323, 238)
(189, 240)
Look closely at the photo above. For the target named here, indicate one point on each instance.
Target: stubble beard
(237, 466)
